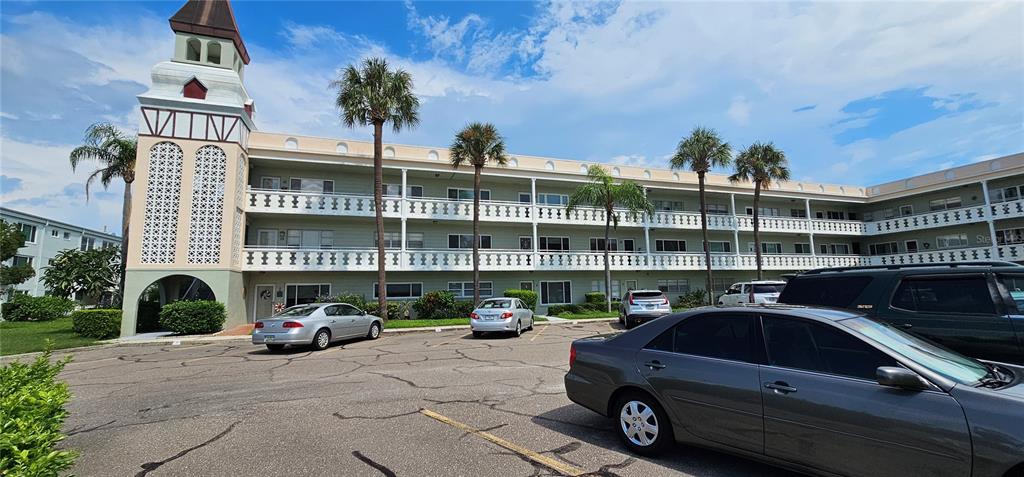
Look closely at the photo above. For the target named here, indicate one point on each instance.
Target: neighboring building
(44, 239)
(266, 218)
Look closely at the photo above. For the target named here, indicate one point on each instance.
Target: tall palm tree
(477, 144)
(702, 150)
(377, 95)
(604, 193)
(115, 152)
(761, 163)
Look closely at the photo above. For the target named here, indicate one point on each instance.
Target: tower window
(213, 52)
(194, 89)
(192, 47)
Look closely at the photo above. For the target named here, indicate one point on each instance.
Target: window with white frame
(1010, 236)
(798, 213)
(395, 190)
(466, 241)
(525, 242)
(663, 245)
(455, 193)
(719, 285)
(55, 233)
(67, 235)
(597, 244)
(802, 248)
(720, 246)
(1005, 193)
(834, 249)
(906, 210)
(668, 205)
(631, 285)
(951, 241)
(911, 246)
(717, 209)
(268, 182)
(465, 289)
(524, 197)
(400, 290)
(29, 231)
(526, 286)
(552, 199)
(944, 204)
(628, 245)
(835, 215)
(555, 292)
(764, 211)
(553, 244)
(766, 247)
(309, 238)
(598, 286)
(21, 260)
(266, 237)
(300, 294)
(674, 286)
(87, 243)
(311, 185)
(885, 248)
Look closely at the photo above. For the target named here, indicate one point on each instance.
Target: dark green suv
(976, 308)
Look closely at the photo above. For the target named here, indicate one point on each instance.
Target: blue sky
(855, 93)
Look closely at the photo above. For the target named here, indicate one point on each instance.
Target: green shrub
(594, 297)
(396, 309)
(353, 299)
(102, 324)
(693, 299)
(31, 416)
(462, 309)
(37, 308)
(148, 317)
(193, 316)
(556, 310)
(529, 297)
(435, 305)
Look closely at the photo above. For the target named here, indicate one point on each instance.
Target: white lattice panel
(163, 192)
(207, 205)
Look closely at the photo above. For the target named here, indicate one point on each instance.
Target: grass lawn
(395, 324)
(28, 336)
(589, 315)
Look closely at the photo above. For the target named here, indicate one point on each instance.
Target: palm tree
(115, 152)
(761, 163)
(477, 144)
(604, 193)
(377, 95)
(702, 150)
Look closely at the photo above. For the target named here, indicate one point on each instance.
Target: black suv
(976, 308)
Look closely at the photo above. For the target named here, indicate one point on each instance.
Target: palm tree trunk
(126, 212)
(378, 205)
(607, 268)
(476, 235)
(757, 229)
(707, 246)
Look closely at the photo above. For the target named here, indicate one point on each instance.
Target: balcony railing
(291, 202)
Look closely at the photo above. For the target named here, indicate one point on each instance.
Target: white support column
(735, 222)
(991, 221)
(810, 226)
(404, 254)
(647, 236)
(533, 217)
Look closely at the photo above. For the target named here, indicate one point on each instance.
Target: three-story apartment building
(264, 218)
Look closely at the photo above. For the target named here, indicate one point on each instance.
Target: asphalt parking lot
(408, 405)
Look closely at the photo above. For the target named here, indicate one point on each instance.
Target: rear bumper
(644, 317)
(586, 393)
(496, 325)
(299, 336)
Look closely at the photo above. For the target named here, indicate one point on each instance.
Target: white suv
(765, 291)
(641, 306)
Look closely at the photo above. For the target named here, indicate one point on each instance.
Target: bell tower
(187, 218)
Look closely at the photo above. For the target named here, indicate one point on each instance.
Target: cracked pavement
(237, 409)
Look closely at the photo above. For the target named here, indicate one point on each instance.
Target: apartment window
(669, 245)
(628, 245)
(88, 243)
(552, 199)
(273, 183)
(525, 243)
(802, 248)
(598, 286)
(526, 286)
(766, 247)
(55, 233)
(951, 241)
(309, 238)
(674, 286)
(717, 209)
(887, 214)
(906, 210)
(911, 246)
(944, 204)
(20, 260)
(107, 245)
(29, 231)
(465, 289)
(1004, 194)
(555, 293)
(720, 246)
(307, 293)
(391, 240)
(798, 213)
(466, 241)
(721, 284)
(266, 238)
(597, 245)
(1009, 236)
(631, 285)
(668, 205)
(835, 215)
(467, 194)
(67, 235)
(395, 190)
(869, 216)
(414, 240)
(401, 290)
(834, 249)
(311, 185)
(554, 244)
(887, 248)
(764, 211)
(524, 197)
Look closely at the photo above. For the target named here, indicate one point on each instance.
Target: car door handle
(654, 364)
(906, 326)
(780, 387)
(332, 321)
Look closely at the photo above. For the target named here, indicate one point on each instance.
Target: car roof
(646, 291)
(762, 282)
(812, 312)
(499, 298)
(933, 268)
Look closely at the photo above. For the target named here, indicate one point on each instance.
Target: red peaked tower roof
(210, 18)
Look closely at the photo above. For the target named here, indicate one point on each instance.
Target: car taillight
(572, 355)
(506, 315)
(291, 324)
(631, 302)
(259, 324)
(664, 300)
(474, 316)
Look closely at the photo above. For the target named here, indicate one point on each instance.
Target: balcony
(945, 218)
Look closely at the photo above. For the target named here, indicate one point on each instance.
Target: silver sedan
(316, 324)
(507, 315)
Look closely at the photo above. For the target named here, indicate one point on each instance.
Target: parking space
(410, 404)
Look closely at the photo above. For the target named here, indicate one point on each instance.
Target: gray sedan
(817, 390)
(316, 324)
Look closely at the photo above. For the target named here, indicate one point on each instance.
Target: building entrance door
(264, 301)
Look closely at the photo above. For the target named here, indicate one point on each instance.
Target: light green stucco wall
(228, 288)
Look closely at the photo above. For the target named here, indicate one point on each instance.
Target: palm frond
(761, 163)
(701, 151)
(478, 144)
(112, 149)
(374, 93)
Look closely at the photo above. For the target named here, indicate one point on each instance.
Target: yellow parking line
(539, 333)
(555, 465)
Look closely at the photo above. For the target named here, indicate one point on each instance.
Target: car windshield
(496, 304)
(301, 310)
(768, 287)
(948, 363)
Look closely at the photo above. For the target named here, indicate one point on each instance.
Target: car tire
(374, 331)
(531, 325)
(642, 424)
(322, 339)
(275, 347)
(519, 329)
(628, 324)
(478, 334)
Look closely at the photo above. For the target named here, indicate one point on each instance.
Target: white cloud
(739, 110)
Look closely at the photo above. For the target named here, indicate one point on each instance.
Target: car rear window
(839, 292)
(763, 288)
(648, 294)
(968, 294)
(496, 304)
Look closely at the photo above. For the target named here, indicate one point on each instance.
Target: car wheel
(321, 339)
(628, 323)
(275, 347)
(643, 425)
(531, 325)
(478, 334)
(374, 331)
(519, 329)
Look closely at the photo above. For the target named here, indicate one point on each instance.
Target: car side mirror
(900, 378)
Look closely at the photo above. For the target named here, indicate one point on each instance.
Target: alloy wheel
(322, 339)
(639, 423)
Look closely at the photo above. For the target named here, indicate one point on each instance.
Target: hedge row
(101, 324)
(193, 317)
(36, 308)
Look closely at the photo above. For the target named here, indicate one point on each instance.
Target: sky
(853, 93)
